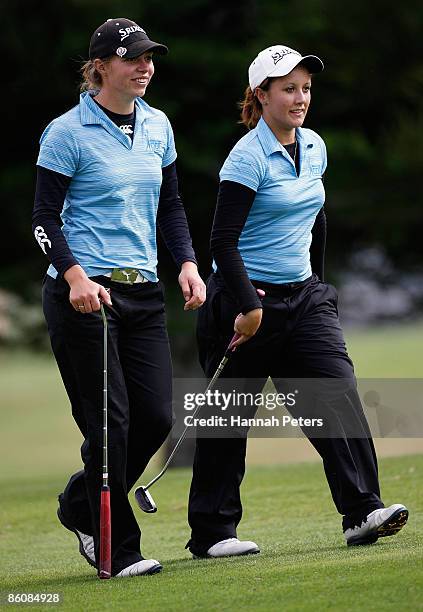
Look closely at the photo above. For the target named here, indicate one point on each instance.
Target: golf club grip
(105, 566)
(230, 345)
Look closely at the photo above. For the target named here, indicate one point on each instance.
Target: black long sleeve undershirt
(171, 219)
(50, 194)
(234, 202)
(233, 207)
(318, 245)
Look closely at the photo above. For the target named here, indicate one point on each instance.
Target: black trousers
(300, 337)
(139, 400)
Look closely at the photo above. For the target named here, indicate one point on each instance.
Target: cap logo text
(125, 32)
(276, 57)
(121, 51)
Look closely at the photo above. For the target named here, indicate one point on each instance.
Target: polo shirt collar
(271, 144)
(91, 114)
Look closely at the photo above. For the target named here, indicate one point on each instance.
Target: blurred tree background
(367, 105)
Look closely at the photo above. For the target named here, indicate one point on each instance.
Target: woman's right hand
(247, 325)
(85, 295)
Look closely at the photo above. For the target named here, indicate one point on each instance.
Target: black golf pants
(300, 337)
(139, 400)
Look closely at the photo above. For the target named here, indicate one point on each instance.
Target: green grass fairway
(304, 563)
(36, 425)
(387, 351)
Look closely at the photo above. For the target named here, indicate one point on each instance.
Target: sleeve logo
(41, 238)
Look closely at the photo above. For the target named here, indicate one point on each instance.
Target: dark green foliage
(367, 104)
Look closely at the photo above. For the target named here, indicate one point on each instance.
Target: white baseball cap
(278, 61)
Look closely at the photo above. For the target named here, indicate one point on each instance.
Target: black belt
(282, 289)
(276, 289)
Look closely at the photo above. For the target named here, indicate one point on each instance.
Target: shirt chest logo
(157, 146)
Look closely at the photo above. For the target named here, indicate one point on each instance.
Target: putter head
(144, 500)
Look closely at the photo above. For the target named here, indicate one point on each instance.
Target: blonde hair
(251, 109)
(91, 78)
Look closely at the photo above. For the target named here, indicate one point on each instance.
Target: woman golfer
(269, 232)
(105, 178)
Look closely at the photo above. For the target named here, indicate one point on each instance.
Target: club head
(144, 500)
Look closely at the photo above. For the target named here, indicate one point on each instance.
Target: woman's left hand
(193, 288)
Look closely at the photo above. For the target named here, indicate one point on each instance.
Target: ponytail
(251, 109)
(91, 78)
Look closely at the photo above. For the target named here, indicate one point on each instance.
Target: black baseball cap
(122, 37)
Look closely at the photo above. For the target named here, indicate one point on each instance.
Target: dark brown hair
(251, 109)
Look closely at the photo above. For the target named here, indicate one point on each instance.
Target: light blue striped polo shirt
(275, 241)
(109, 213)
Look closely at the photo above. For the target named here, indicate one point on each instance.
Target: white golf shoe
(378, 524)
(141, 568)
(86, 547)
(86, 542)
(232, 547)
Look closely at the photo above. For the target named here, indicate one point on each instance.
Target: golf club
(142, 495)
(105, 565)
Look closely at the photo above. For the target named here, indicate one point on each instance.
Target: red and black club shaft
(105, 565)
(142, 495)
